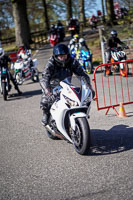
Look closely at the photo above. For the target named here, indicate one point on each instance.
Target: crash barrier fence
(112, 90)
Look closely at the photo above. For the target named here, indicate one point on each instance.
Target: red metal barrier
(111, 90)
(13, 56)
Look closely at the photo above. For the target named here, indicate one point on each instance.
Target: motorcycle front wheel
(19, 78)
(35, 77)
(4, 92)
(89, 67)
(81, 136)
(125, 71)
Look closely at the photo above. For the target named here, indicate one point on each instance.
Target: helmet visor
(62, 57)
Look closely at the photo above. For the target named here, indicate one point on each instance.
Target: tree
(45, 14)
(69, 9)
(22, 29)
(110, 12)
(6, 20)
(82, 12)
(103, 16)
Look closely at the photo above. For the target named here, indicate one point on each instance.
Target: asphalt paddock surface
(34, 167)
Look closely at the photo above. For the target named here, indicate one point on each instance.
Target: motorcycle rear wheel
(81, 137)
(4, 92)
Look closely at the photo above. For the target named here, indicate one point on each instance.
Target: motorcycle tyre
(19, 81)
(125, 71)
(5, 93)
(89, 68)
(107, 71)
(84, 128)
(35, 78)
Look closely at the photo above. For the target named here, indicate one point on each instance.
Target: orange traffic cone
(122, 112)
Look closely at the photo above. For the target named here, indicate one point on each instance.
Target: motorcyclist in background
(4, 60)
(93, 22)
(77, 44)
(60, 30)
(53, 29)
(113, 42)
(21, 51)
(83, 45)
(74, 43)
(60, 66)
(24, 53)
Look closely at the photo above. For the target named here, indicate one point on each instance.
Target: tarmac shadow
(118, 139)
(24, 95)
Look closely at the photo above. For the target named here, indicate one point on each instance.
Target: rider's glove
(51, 98)
(93, 93)
(89, 86)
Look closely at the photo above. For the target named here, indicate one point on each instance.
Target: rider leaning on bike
(113, 42)
(59, 66)
(4, 60)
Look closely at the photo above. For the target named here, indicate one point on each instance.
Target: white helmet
(72, 41)
(82, 41)
(1, 52)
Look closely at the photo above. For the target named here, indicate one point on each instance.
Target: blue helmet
(61, 49)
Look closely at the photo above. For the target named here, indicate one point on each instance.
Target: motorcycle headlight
(70, 102)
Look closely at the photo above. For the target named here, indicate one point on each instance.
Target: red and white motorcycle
(53, 39)
(68, 118)
(25, 69)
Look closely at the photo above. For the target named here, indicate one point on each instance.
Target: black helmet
(113, 33)
(61, 49)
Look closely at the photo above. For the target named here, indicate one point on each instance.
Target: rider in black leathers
(59, 66)
(4, 60)
(113, 41)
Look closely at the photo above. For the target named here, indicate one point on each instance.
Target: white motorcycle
(69, 113)
(25, 69)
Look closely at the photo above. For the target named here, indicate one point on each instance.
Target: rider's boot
(45, 117)
(18, 90)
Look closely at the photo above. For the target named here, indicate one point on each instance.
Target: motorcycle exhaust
(52, 132)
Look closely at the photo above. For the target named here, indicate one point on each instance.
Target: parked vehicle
(69, 113)
(26, 69)
(117, 54)
(4, 82)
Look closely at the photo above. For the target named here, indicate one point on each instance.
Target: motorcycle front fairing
(61, 113)
(69, 107)
(18, 65)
